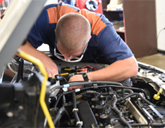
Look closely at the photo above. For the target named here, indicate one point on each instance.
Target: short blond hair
(73, 31)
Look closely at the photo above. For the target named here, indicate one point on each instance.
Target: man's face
(69, 56)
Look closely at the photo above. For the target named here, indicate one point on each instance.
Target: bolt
(9, 114)
(20, 107)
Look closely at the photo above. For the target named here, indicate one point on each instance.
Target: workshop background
(140, 23)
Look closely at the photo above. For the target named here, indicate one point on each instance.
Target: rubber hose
(118, 112)
(74, 107)
(59, 115)
(151, 124)
(139, 96)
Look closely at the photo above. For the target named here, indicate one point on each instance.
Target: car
(31, 99)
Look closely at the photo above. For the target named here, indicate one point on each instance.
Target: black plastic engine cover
(86, 115)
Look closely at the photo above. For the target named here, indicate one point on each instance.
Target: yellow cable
(43, 87)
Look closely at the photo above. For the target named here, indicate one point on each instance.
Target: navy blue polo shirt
(105, 42)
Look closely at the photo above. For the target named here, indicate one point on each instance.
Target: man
(78, 35)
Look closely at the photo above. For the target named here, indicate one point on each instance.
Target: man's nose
(68, 57)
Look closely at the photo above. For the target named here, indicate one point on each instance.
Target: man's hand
(76, 78)
(50, 66)
(118, 71)
(48, 63)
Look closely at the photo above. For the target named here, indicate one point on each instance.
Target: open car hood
(15, 26)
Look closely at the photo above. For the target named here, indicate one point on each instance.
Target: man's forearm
(118, 71)
(49, 65)
(29, 49)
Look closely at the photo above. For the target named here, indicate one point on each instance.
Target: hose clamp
(75, 109)
(95, 86)
(79, 122)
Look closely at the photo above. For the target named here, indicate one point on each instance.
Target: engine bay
(135, 102)
(29, 99)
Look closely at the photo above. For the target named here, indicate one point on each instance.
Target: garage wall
(160, 22)
(160, 19)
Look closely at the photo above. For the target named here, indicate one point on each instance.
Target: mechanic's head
(73, 32)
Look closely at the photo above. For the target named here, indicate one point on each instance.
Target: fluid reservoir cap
(51, 80)
(98, 109)
(95, 101)
(89, 94)
(104, 119)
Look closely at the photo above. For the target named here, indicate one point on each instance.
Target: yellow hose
(43, 87)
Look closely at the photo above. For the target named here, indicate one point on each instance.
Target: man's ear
(55, 30)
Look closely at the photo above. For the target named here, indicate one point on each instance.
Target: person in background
(75, 35)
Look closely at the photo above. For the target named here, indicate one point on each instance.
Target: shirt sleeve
(111, 45)
(37, 34)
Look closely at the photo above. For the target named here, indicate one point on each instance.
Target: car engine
(136, 102)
